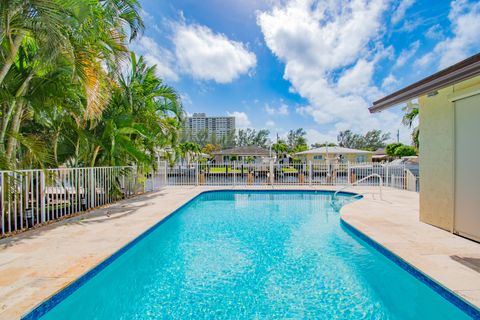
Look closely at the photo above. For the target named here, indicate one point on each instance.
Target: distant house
(380, 155)
(257, 154)
(335, 153)
(449, 110)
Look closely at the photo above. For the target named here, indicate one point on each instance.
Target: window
(361, 158)
(317, 157)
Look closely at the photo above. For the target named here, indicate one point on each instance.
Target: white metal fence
(270, 174)
(32, 197)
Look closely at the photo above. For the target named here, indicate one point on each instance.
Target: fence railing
(270, 174)
(32, 197)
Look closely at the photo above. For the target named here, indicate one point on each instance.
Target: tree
(142, 116)
(348, 139)
(189, 150)
(300, 148)
(375, 139)
(280, 148)
(411, 113)
(319, 145)
(296, 138)
(391, 148)
(405, 151)
(209, 148)
(59, 83)
(371, 141)
(251, 137)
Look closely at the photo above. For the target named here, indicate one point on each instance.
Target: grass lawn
(223, 170)
(289, 170)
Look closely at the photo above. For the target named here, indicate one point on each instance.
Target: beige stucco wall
(437, 149)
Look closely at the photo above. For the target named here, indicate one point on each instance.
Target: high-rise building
(218, 126)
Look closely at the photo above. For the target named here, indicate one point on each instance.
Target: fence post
(310, 172)
(272, 178)
(92, 187)
(234, 174)
(386, 176)
(42, 196)
(349, 174)
(153, 179)
(196, 173)
(164, 173)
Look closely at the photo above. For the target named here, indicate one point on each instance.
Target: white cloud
(156, 55)
(149, 20)
(270, 123)
(465, 19)
(407, 54)
(425, 60)
(315, 136)
(400, 11)
(241, 119)
(206, 55)
(434, 32)
(465, 22)
(186, 100)
(330, 51)
(389, 82)
(281, 110)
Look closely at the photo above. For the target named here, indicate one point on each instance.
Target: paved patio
(38, 263)
(452, 261)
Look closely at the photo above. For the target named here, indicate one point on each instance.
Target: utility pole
(398, 135)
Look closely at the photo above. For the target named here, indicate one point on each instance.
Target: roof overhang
(463, 70)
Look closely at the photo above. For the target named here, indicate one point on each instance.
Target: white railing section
(307, 174)
(373, 175)
(32, 197)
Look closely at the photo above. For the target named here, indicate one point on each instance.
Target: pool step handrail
(361, 180)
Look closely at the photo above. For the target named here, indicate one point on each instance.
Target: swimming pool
(250, 254)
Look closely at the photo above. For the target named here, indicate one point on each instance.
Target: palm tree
(411, 114)
(38, 19)
(188, 150)
(46, 44)
(143, 115)
(280, 148)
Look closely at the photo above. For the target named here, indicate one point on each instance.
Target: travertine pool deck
(38, 263)
(450, 260)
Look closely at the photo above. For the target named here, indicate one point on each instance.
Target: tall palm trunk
(17, 118)
(6, 119)
(94, 156)
(12, 141)
(55, 146)
(17, 41)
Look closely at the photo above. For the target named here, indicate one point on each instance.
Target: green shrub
(391, 148)
(405, 151)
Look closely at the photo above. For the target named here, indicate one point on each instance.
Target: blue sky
(285, 64)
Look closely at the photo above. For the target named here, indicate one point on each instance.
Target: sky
(317, 65)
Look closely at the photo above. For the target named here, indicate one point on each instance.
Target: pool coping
(62, 293)
(443, 291)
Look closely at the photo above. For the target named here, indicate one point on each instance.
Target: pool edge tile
(471, 310)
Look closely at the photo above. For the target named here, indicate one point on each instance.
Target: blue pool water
(254, 255)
